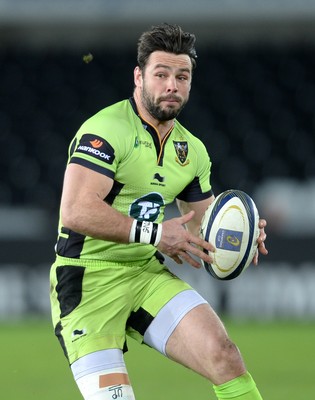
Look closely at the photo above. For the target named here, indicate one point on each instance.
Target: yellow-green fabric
(240, 388)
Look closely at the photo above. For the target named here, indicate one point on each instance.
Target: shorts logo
(147, 208)
(181, 149)
(96, 147)
(77, 333)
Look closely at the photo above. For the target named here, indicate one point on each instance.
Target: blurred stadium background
(252, 103)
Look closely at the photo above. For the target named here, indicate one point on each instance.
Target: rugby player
(109, 280)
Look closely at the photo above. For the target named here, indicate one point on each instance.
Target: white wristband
(145, 232)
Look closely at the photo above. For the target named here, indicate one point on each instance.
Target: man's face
(166, 83)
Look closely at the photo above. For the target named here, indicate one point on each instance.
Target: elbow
(67, 222)
(69, 217)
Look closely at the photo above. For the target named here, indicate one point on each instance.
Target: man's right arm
(84, 210)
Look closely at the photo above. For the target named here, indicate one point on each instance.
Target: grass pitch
(280, 356)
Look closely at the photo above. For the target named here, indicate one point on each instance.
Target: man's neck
(162, 127)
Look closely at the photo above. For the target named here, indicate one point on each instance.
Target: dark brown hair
(168, 38)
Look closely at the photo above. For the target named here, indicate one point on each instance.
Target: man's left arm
(199, 207)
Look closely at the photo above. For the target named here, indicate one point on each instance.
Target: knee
(226, 361)
(227, 352)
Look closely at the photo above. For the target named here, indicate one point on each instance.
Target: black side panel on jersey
(69, 287)
(70, 246)
(193, 192)
(110, 198)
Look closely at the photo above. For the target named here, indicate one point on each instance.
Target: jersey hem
(98, 264)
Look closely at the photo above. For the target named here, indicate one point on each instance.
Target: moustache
(170, 98)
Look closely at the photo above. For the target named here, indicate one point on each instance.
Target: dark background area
(252, 106)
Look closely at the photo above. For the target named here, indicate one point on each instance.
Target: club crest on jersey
(96, 147)
(181, 149)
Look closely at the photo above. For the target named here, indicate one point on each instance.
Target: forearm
(94, 217)
(199, 208)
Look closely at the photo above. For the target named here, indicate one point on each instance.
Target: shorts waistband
(91, 263)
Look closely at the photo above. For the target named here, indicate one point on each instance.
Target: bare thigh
(201, 343)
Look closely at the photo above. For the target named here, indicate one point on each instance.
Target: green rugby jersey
(148, 174)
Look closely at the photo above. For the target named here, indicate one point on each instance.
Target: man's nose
(172, 85)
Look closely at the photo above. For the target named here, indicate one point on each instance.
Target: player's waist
(97, 264)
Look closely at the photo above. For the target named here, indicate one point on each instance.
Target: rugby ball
(230, 223)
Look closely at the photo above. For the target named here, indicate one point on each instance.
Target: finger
(262, 248)
(177, 259)
(255, 259)
(205, 254)
(202, 243)
(262, 223)
(262, 237)
(186, 217)
(190, 260)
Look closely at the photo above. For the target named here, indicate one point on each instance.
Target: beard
(156, 111)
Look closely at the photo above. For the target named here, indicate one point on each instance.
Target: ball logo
(233, 240)
(227, 239)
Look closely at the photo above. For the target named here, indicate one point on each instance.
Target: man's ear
(137, 76)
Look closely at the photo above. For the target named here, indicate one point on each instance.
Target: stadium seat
(252, 106)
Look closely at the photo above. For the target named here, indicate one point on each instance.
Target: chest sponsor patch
(147, 207)
(96, 147)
